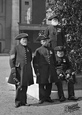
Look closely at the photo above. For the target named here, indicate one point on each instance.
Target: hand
(67, 76)
(73, 73)
(59, 71)
(61, 75)
(37, 74)
(20, 87)
(18, 83)
(13, 70)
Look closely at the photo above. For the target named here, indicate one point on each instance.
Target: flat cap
(54, 16)
(59, 48)
(21, 35)
(41, 37)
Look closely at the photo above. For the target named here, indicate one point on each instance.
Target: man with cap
(64, 72)
(55, 32)
(21, 70)
(44, 66)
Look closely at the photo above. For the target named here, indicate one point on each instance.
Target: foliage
(70, 14)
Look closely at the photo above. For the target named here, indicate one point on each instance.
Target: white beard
(60, 54)
(24, 44)
(54, 23)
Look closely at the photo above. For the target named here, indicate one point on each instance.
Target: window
(26, 3)
(25, 11)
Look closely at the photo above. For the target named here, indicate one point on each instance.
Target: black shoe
(20, 104)
(27, 104)
(17, 105)
(23, 104)
(62, 99)
(73, 98)
(41, 101)
(49, 100)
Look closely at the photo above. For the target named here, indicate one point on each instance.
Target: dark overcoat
(63, 63)
(20, 59)
(56, 35)
(44, 65)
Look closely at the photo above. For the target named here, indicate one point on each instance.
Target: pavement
(7, 95)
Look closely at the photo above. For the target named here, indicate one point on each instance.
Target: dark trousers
(44, 91)
(21, 95)
(70, 89)
(60, 88)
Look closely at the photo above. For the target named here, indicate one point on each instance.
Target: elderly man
(66, 73)
(21, 70)
(44, 66)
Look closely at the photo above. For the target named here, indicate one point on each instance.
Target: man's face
(54, 22)
(23, 41)
(45, 42)
(60, 53)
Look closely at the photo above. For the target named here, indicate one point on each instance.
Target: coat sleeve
(12, 58)
(54, 57)
(36, 62)
(69, 65)
(30, 54)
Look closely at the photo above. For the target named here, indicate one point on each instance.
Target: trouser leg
(41, 92)
(24, 95)
(60, 89)
(70, 89)
(21, 96)
(18, 96)
(48, 90)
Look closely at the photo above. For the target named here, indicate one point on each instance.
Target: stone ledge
(4, 54)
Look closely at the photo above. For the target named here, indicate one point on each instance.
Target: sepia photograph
(41, 57)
